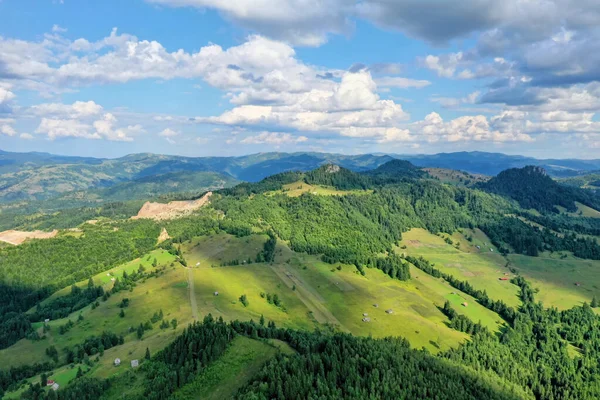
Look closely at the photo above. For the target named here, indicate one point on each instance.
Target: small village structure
(50, 382)
(366, 319)
(117, 362)
(465, 304)
(389, 311)
(55, 386)
(216, 293)
(135, 363)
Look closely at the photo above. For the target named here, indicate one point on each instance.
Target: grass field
(223, 378)
(296, 189)
(62, 376)
(167, 292)
(105, 278)
(581, 208)
(314, 293)
(481, 267)
(587, 211)
(557, 278)
(212, 250)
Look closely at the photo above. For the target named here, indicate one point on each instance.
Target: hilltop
(532, 188)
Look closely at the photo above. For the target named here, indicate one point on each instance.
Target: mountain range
(40, 176)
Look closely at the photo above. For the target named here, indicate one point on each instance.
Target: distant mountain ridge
(39, 176)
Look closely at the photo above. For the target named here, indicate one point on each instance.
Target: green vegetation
(222, 379)
(324, 281)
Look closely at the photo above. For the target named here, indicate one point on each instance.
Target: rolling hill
(323, 283)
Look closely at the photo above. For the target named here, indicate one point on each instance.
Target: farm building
(46, 321)
(117, 362)
(492, 250)
(389, 311)
(465, 304)
(504, 278)
(366, 319)
(55, 386)
(478, 247)
(216, 293)
(198, 263)
(49, 382)
(135, 363)
(375, 305)
(365, 315)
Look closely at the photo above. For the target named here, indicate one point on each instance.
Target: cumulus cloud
(467, 128)
(85, 120)
(340, 107)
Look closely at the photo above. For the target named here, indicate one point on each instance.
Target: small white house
(216, 293)
(46, 321)
(55, 386)
(365, 315)
(117, 362)
(198, 263)
(135, 363)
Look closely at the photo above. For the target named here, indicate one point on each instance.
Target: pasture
(482, 267)
(167, 292)
(562, 283)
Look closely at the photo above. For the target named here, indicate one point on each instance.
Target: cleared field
(296, 189)
(206, 251)
(562, 283)
(314, 293)
(587, 211)
(62, 376)
(163, 258)
(167, 292)
(483, 267)
(223, 378)
(582, 211)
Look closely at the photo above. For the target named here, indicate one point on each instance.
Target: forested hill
(396, 170)
(532, 188)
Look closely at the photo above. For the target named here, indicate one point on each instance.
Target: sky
(107, 78)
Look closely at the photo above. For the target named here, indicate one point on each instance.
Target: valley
(328, 254)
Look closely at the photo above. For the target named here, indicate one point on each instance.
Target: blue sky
(208, 77)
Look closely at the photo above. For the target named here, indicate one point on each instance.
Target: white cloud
(26, 136)
(85, 120)
(168, 133)
(60, 128)
(467, 128)
(58, 29)
(79, 109)
(5, 95)
(273, 138)
(445, 65)
(105, 128)
(401, 83)
(337, 107)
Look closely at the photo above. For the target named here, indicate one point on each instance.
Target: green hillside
(321, 284)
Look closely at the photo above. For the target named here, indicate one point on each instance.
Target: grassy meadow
(482, 267)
